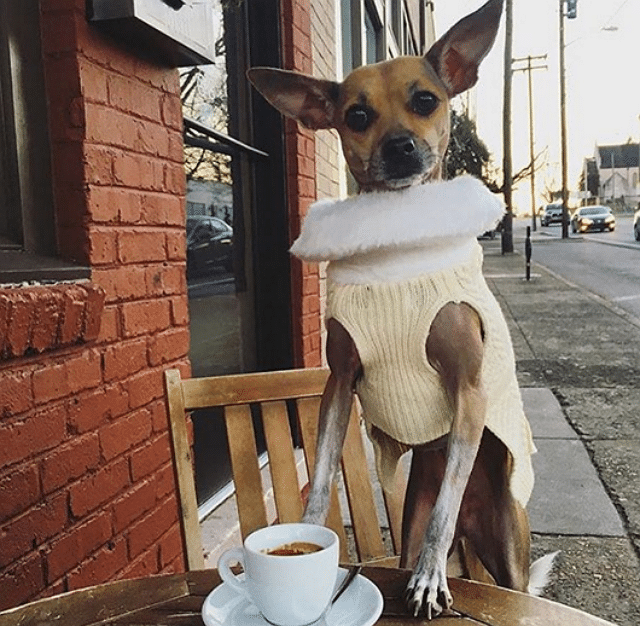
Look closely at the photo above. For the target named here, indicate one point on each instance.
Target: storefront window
(216, 317)
(236, 227)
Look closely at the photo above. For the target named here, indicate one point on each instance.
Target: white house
(618, 170)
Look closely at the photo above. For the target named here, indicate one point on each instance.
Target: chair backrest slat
(183, 463)
(282, 462)
(245, 468)
(270, 394)
(308, 409)
(253, 388)
(368, 537)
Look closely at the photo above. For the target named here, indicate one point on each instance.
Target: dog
(393, 121)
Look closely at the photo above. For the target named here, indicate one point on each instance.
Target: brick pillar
(301, 189)
(87, 490)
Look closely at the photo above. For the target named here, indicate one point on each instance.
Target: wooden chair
(280, 398)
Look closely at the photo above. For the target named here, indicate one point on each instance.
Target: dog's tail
(539, 573)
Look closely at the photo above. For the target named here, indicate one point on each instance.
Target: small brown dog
(393, 121)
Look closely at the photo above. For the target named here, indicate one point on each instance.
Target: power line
(607, 23)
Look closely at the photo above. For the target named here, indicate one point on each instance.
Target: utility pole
(571, 14)
(529, 68)
(507, 231)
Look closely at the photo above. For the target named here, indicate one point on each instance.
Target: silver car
(551, 214)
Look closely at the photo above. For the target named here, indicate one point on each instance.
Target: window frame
(28, 244)
(375, 18)
(10, 218)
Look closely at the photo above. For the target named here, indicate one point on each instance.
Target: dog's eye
(359, 118)
(424, 103)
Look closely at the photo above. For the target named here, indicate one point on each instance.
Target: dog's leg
(495, 523)
(455, 349)
(425, 478)
(335, 409)
(509, 563)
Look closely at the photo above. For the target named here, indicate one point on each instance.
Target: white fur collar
(427, 215)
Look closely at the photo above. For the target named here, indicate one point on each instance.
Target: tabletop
(176, 600)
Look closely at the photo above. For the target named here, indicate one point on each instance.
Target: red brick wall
(86, 481)
(301, 189)
(324, 28)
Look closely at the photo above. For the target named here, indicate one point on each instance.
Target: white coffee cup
(287, 590)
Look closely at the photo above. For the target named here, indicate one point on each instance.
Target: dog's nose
(398, 147)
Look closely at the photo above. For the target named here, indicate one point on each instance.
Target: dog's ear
(456, 55)
(311, 101)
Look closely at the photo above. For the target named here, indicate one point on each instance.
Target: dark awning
(199, 135)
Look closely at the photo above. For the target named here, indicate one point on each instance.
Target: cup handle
(232, 556)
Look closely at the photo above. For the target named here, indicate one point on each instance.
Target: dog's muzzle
(403, 159)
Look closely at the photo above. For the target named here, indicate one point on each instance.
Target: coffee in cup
(295, 548)
(290, 571)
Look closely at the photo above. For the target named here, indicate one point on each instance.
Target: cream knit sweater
(386, 294)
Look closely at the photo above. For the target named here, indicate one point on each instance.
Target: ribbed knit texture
(401, 394)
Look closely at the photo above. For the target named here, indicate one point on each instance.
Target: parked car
(209, 245)
(551, 214)
(491, 234)
(589, 218)
(636, 224)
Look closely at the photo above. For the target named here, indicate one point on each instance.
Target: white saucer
(360, 605)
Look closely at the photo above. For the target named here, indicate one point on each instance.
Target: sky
(602, 82)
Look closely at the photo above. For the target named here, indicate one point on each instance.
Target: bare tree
(494, 179)
(467, 153)
(203, 91)
(552, 191)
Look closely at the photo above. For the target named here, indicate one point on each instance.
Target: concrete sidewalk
(568, 497)
(578, 362)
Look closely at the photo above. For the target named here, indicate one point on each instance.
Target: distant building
(618, 169)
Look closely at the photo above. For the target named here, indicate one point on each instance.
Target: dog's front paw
(428, 589)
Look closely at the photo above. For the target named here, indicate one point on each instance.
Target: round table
(176, 600)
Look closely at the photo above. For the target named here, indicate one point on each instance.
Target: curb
(614, 308)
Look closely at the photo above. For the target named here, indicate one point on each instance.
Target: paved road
(607, 264)
(622, 235)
